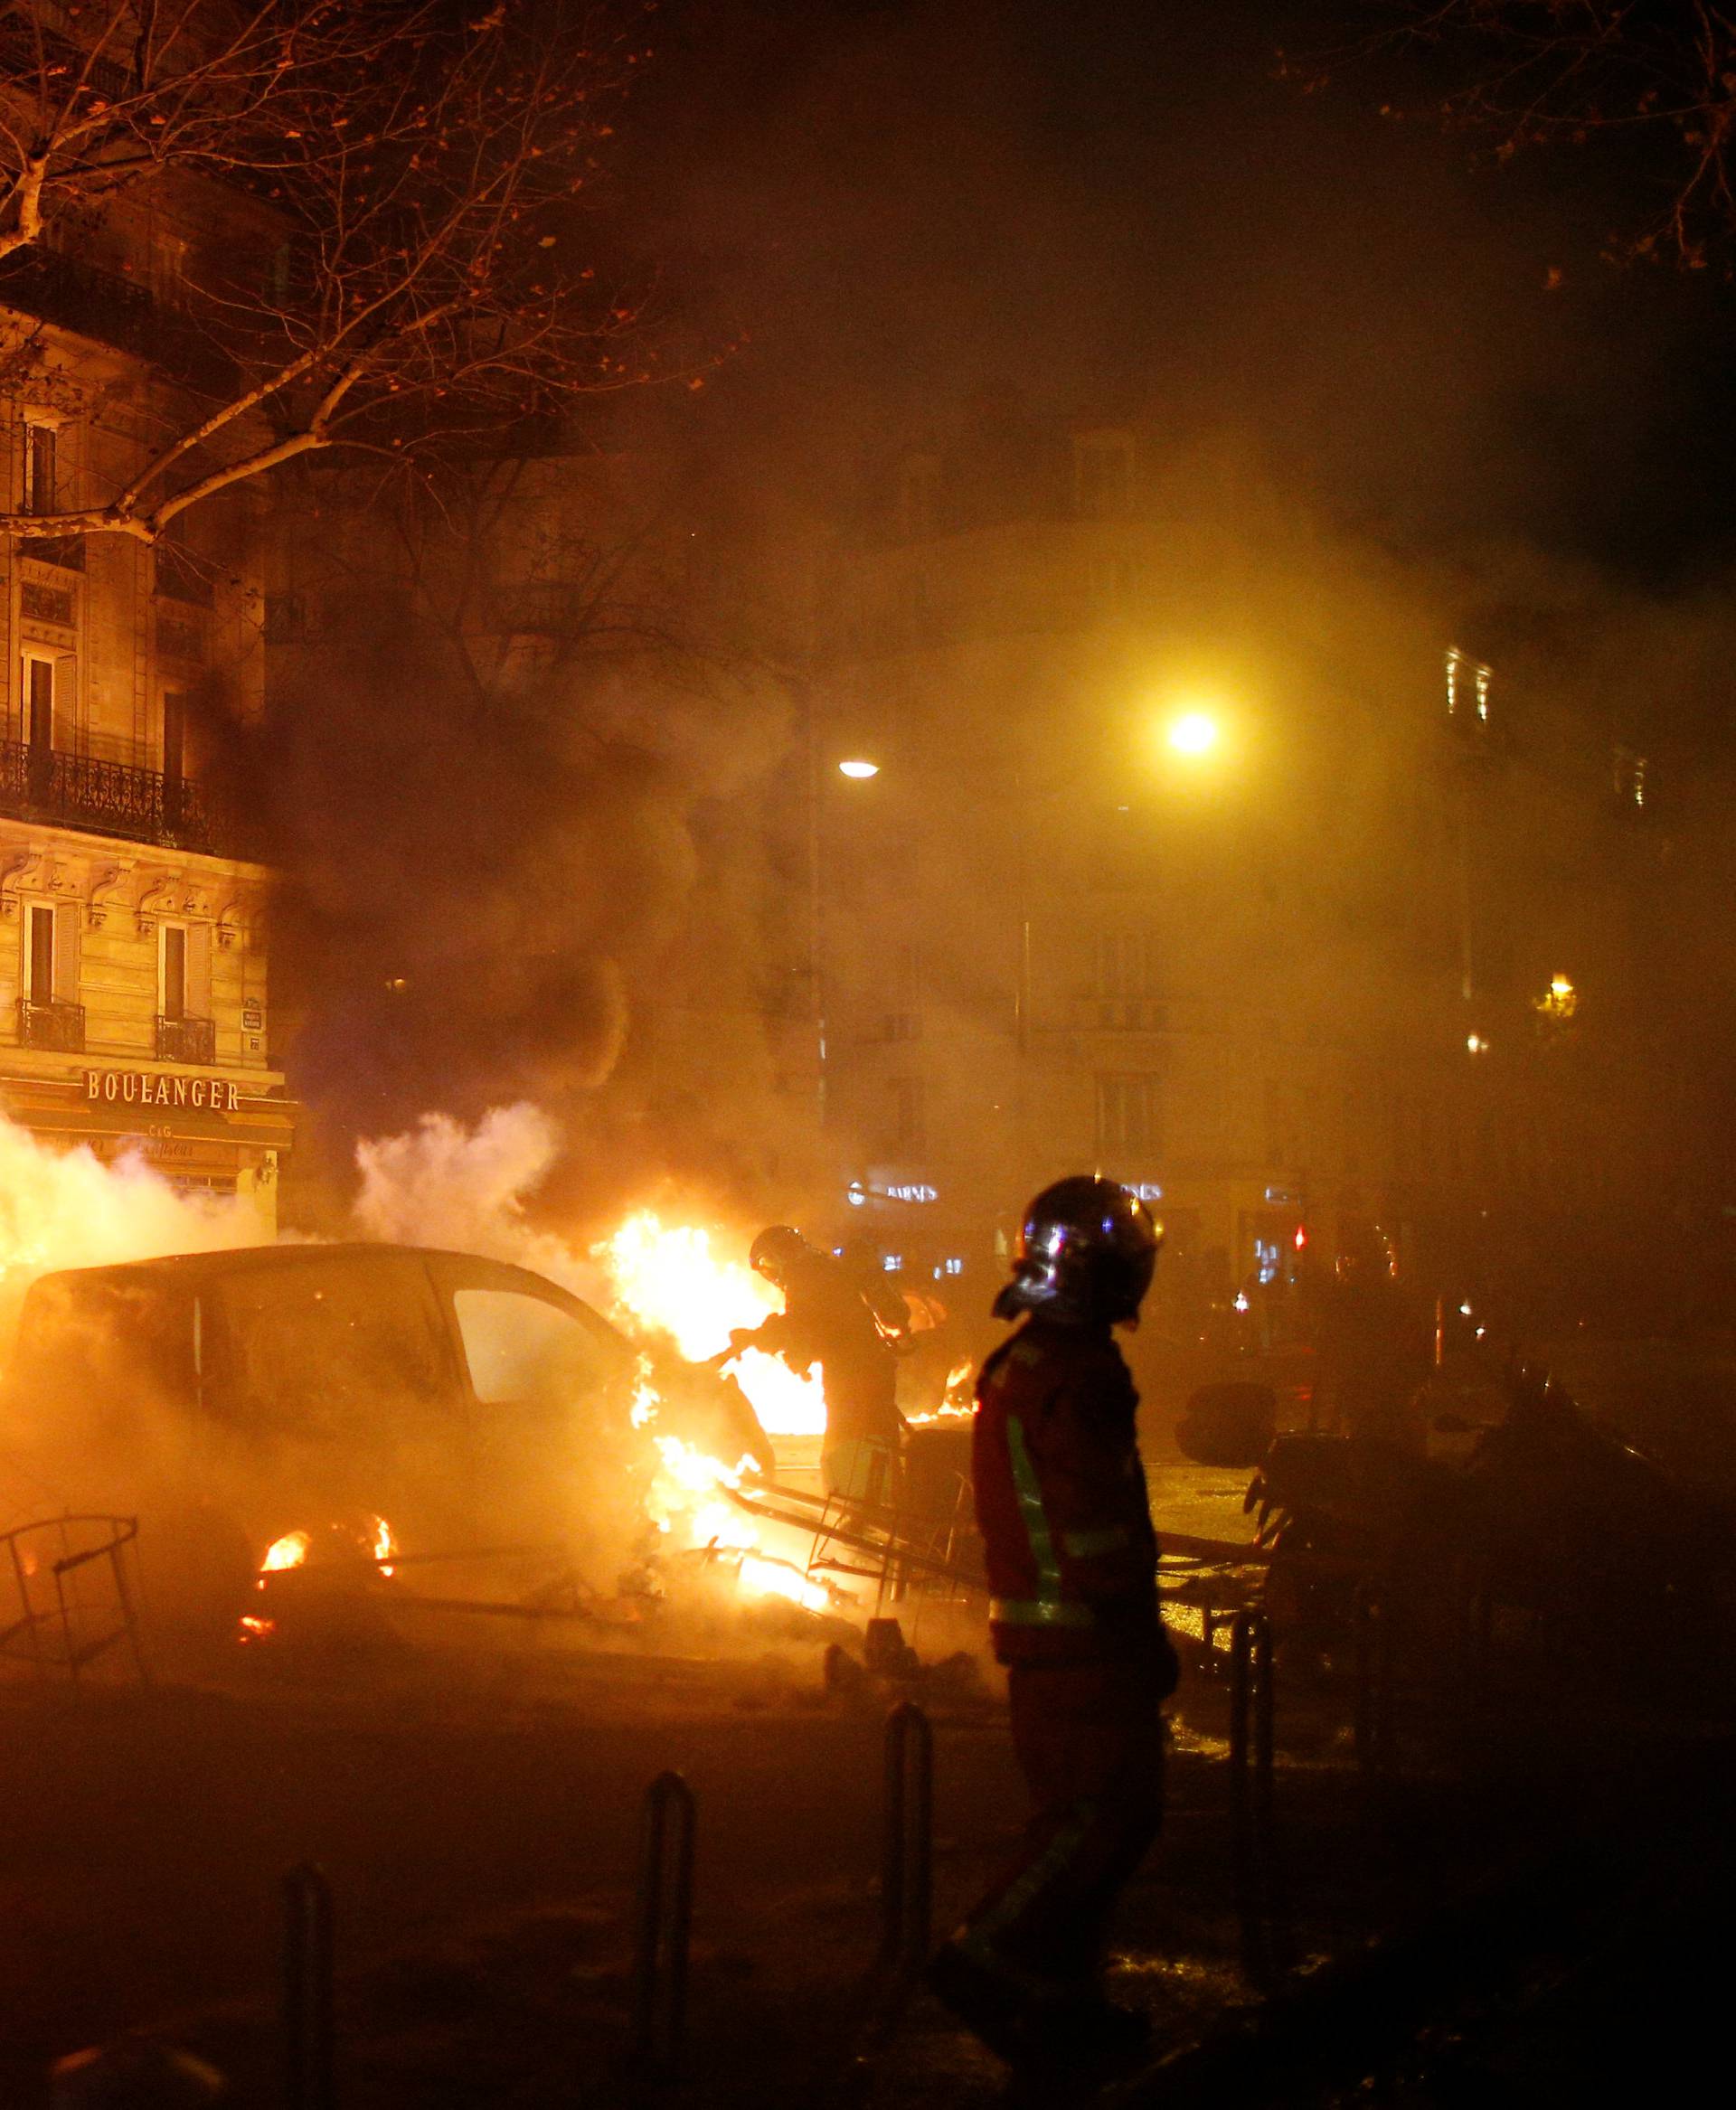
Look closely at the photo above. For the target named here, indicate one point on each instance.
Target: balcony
(110, 309)
(186, 1040)
(113, 798)
(58, 1027)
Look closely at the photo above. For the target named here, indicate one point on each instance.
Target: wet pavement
(476, 1809)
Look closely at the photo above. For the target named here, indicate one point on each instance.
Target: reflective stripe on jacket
(1061, 1497)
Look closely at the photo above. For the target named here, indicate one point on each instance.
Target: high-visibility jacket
(1061, 1499)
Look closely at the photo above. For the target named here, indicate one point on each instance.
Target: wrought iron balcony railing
(186, 1040)
(57, 1026)
(103, 306)
(113, 798)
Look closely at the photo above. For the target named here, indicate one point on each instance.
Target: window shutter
(199, 970)
(66, 952)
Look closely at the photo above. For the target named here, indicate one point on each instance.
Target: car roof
(195, 1269)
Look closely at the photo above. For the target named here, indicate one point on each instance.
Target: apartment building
(134, 996)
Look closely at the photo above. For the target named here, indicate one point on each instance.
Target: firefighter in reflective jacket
(1072, 1561)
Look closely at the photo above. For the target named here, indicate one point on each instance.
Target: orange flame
(290, 1552)
(666, 1278)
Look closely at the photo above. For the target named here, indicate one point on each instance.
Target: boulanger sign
(140, 1087)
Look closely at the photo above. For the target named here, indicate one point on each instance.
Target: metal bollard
(663, 1915)
(308, 2082)
(1251, 1707)
(907, 1848)
(1374, 1723)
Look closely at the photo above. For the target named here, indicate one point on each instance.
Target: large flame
(689, 1502)
(666, 1277)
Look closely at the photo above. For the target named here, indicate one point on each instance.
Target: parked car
(228, 1399)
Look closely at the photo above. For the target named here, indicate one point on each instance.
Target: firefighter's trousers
(1089, 1739)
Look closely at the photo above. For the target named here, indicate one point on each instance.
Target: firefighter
(827, 1320)
(1073, 1564)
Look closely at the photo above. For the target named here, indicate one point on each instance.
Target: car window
(335, 1347)
(526, 1348)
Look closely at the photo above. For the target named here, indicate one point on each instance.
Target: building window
(904, 1125)
(41, 481)
(181, 576)
(39, 958)
(38, 704)
(184, 1032)
(1127, 1113)
(49, 1012)
(172, 1001)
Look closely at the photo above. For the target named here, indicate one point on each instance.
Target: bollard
(1374, 1723)
(309, 2081)
(1250, 1708)
(906, 1879)
(664, 1911)
(1259, 1888)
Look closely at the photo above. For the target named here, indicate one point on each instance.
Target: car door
(551, 1386)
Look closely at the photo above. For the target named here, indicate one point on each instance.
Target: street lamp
(858, 768)
(1194, 732)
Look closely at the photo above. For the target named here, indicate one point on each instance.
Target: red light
(1301, 1239)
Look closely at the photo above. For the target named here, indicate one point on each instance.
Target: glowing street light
(1475, 1044)
(858, 767)
(1194, 732)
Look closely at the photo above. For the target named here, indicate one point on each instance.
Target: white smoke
(465, 1189)
(68, 1209)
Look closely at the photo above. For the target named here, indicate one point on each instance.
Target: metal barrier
(83, 1560)
(308, 2080)
(664, 1910)
(907, 1848)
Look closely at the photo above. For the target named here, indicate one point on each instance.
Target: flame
(666, 1278)
(688, 1500)
(290, 1552)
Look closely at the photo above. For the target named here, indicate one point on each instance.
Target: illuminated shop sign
(140, 1087)
(916, 1191)
(1145, 1190)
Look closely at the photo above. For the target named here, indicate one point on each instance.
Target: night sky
(1116, 208)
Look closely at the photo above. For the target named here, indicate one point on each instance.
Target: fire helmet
(776, 1251)
(1086, 1249)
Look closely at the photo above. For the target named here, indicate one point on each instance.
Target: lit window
(954, 1266)
(893, 1263)
(1467, 688)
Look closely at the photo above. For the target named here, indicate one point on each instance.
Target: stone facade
(133, 947)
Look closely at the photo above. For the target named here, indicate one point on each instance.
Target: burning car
(385, 1405)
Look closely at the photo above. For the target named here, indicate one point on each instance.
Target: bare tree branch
(1541, 71)
(423, 272)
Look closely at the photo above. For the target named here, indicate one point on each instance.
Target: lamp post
(858, 769)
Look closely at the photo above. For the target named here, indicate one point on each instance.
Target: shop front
(218, 1135)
